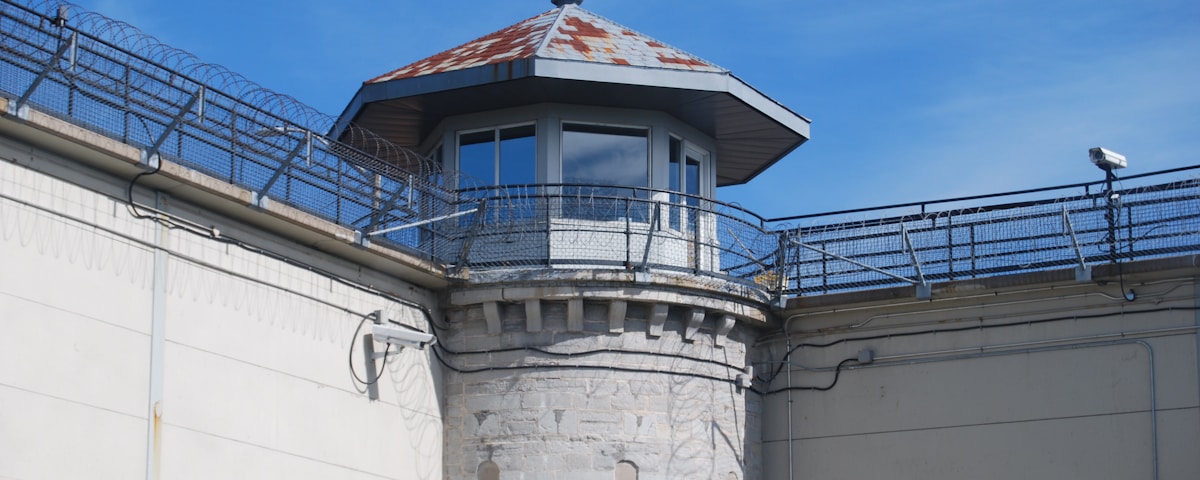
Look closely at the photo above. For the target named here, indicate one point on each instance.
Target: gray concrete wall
(132, 350)
(625, 395)
(1045, 380)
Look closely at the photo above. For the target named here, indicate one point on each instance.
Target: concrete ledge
(467, 296)
(544, 277)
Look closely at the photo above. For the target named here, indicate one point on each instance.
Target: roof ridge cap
(546, 35)
(638, 32)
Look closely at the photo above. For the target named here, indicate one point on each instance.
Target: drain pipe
(787, 360)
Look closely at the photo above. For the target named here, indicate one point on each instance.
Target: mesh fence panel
(585, 226)
(110, 78)
(1146, 222)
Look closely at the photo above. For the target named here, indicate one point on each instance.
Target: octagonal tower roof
(572, 56)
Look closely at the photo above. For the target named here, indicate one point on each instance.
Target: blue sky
(910, 101)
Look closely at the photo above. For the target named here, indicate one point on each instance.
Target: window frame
(648, 130)
(497, 152)
(638, 194)
(684, 201)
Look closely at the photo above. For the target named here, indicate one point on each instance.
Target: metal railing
(112, 79)
(1141, 222)
(631, 228)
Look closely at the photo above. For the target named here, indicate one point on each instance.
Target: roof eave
(721, 82)
(716, 82)
(433, 83)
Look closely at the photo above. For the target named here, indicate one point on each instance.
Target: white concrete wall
(254, 380)
(1068, 398)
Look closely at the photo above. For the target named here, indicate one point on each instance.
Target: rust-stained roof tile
(518, 41)
(567, 33)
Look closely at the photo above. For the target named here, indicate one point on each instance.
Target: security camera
(1107, 159)
(402, 337)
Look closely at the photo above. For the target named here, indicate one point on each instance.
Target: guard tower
(605, 299)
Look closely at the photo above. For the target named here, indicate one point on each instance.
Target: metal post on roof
(923, 289)
(17, 108)
(427, 221)
(283, 166)
(655, 222)
(853, 262)
(149, 156)
(1083, 273)
(464, 257)
(381, 211)
(561, 3)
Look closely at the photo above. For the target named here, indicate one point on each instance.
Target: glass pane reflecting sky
(605, 155)
(518, 155)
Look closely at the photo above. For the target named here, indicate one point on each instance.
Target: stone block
(568, 421)
(536, 475)
(724, 324)
(575, 315)
(599, 402)
(484, 403)
(483, 424)
(658, 318)
(640, 425)
(616, 316)
(533, 315)
(647, 388)
(548, 421)
(471, 297)
(491, 315)
(692, 323)
(627, 403)
(579, 462)
(520, 428)
(547, 400)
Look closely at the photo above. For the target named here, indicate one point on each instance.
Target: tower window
(684, 176)
(608, 157)
(500, 156)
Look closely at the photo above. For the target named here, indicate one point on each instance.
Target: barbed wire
(1147, 222)
(111, 40)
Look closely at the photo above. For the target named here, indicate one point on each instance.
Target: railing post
(628, 238)
(1129, 230)
(551, 203)
(233, 145)
(824, 268)
(972, 240)
(1110, 214)
(1083, 273)
(654, 220)
(341, 182)
(151, 152)
(464, 257)
(128, 110)
(696, 218)
(16, 107)
(780, 267)
(950, 244)
(923, 289)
